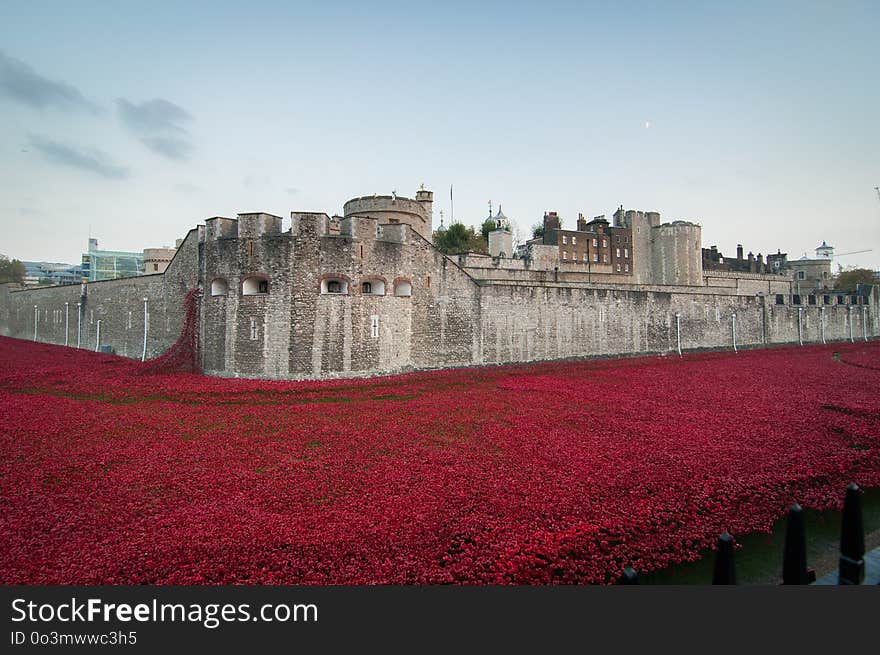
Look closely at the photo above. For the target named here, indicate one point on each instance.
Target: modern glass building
(50, 273)
(110, 264)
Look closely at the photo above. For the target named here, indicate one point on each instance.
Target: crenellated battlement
(367, 293)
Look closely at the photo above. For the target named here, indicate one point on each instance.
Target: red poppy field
(547, 473)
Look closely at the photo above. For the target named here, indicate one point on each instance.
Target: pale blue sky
(138, 120)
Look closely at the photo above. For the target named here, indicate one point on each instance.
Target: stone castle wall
(554, 321)
(118, 304)
(298, 331)
(460, 311)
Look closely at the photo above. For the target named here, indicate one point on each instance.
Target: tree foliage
(488, 226)
(537, 230)
(848, 280)
(10, 270)
(459, 238)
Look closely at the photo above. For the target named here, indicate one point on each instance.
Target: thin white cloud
(160, 125)
(91, 160)
(21, 83)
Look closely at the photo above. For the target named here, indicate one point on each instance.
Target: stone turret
(501, 238)
(394, 209)
(426, 199)
(825, 251)
(676, 254)
(668, 253)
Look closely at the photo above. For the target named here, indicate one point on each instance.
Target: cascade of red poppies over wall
(184, 356)
(559, 472)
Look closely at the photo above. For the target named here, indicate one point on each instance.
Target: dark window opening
(780, 299)
(336, 285)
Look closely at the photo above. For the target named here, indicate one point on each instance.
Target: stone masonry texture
(293, 304)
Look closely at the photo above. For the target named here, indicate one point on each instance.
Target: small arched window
(334, 285)
(219, 287)
(403, 289)
(255, 286)
(373, 287)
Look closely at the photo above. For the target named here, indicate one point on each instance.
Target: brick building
(714, 260)
(596, 244)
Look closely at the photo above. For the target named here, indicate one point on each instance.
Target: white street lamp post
(678, 332)
(800, 330)
(733, 316)
(146, 322)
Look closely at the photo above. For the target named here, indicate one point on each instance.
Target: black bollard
(852, 539)
(794, 563)
(629, 576)
(725, 572)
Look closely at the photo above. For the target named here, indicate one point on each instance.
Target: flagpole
(451, 207)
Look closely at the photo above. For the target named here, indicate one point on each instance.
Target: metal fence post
(852, 539)
(794, 563)
(629, 576)
(725, 572)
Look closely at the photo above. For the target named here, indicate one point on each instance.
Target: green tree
(459, 238)
(10, 271)
(847, 281)
(537, 230)
(488, 226)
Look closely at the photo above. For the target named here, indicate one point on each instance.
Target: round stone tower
(677, 254)
(417, 213)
